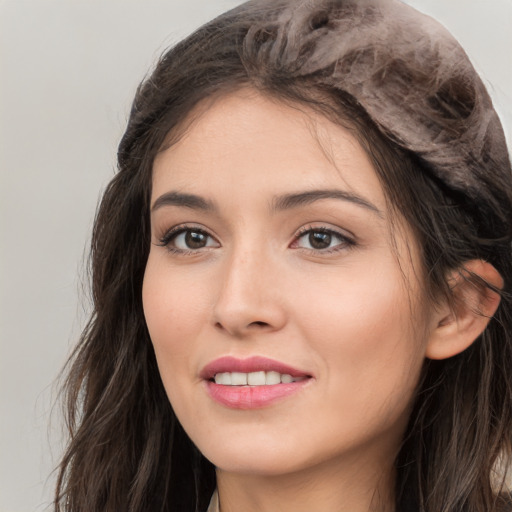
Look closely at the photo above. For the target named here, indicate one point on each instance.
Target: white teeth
(223, 378)
(260, 378)
(256, 378)
(238, 379)
(272, 378)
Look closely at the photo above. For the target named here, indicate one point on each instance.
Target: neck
(330, 487)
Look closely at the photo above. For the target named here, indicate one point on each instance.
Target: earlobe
(459, 323)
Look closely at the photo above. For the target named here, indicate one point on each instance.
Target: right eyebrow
(298, 199)
(179, 199)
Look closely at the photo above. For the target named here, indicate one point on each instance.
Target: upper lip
(251, 364)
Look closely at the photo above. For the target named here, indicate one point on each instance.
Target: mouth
(257, 378)
(251, 383)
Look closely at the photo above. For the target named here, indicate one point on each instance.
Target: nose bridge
(248, 297)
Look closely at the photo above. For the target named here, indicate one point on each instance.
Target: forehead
(251, 142)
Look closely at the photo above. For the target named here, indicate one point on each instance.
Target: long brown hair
(410, 95)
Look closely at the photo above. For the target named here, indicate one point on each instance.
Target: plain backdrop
(68, 72)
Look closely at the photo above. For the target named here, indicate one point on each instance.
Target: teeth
(223, 378)
(238, 379)
(272, 378)
(254, 378)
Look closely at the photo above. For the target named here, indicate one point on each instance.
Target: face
(284, 315)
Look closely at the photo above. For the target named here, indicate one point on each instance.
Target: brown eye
(319, 240)
(195, 239)
(188, 239)
(322, 240)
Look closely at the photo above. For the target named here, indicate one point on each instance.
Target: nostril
(252, 325)
(259, 324)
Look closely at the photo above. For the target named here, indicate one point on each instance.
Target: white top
(214, 503)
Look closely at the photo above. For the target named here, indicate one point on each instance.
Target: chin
(270, 465)
(264, 457)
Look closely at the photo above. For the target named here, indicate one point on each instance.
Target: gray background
(68, 71)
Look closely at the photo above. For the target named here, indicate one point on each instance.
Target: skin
(349, 316)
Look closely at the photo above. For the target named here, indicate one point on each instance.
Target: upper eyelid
(180, 228)
(326, 228)
(186, 227)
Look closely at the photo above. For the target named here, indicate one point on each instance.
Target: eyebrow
(280, 203)
(295, 200)
(186, 200)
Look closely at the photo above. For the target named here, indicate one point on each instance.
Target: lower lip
(252, 397)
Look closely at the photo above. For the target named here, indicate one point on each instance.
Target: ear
(458, 323)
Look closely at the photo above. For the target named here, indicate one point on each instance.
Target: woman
(301, 276)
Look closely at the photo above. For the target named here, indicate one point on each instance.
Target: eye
(322, 239)
(186, 239)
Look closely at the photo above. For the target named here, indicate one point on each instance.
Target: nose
(250, 299)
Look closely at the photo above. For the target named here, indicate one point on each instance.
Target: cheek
(175, 312)
(364, 327)
(357, 309)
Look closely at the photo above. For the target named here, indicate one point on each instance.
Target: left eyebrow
(298, 199)
(185, 200)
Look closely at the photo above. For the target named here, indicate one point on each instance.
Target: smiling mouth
(257, 378)
(252, 383)
(253, 371)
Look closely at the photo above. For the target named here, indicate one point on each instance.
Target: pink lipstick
(251, 383)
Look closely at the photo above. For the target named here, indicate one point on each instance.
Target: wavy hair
(409, 93)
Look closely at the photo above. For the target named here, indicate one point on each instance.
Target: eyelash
(174, 232)
(346, 242)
